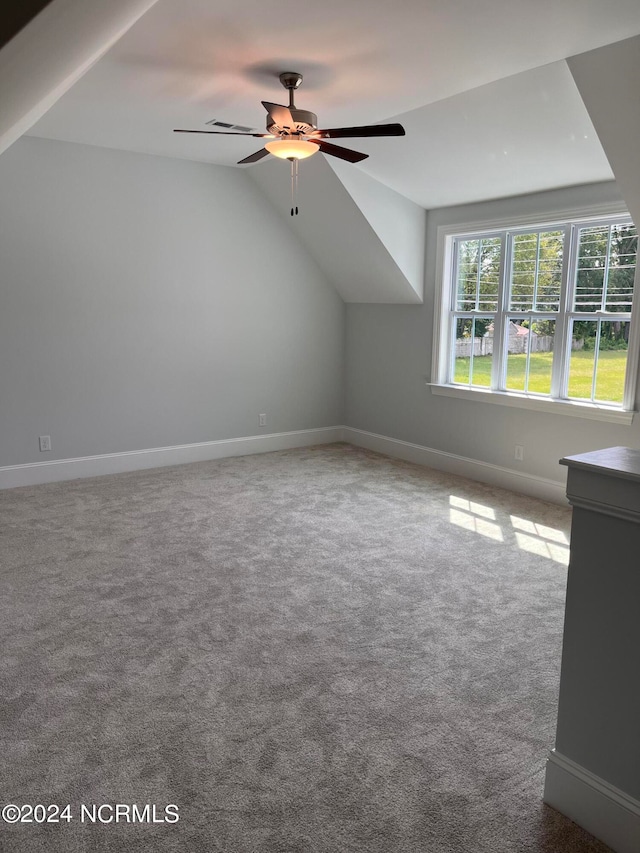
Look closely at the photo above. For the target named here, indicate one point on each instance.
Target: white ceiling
(489, 106)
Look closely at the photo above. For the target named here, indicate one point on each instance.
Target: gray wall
(389, 361)
(143, 304)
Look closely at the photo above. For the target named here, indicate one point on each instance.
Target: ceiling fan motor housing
(305, 120)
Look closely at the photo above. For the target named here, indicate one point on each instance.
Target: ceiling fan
(294, 134)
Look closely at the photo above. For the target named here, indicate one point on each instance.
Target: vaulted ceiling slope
(485, 118)
(52, 52)
(486, 91)
(609, 81)
(367, 239)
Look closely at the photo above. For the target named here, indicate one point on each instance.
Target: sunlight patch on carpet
(474, 516)
(527, 535)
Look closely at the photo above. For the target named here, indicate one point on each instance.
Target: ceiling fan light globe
(291, 149)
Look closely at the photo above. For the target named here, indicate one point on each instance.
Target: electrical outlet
(519, 455)
(262, 420)
(45, 442)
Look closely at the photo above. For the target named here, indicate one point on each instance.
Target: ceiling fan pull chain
(294, 186)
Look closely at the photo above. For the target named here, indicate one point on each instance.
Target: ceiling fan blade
(338, 151)
(365, 130)
(225, 133)
(281, 115)
(253, 158)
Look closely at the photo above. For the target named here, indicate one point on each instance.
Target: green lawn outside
(611, 369)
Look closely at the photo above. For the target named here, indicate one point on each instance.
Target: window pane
(622, 268)
(467, 283)
(583, 347)
(473, 351)
(536, 272)
(529, 347)
(592, 258)
(612, 361)
(606, 268)
(599, 346)
(478, 265)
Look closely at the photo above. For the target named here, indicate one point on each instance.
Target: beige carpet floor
(314, 651)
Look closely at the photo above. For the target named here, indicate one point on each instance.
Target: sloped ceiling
(339, 236)
(485, 118)
(398, 223)
(609, 82)
(52, 52)
(484, 91)
(526, 132)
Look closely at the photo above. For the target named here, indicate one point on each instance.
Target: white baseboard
(505, 478)
(33, 473)
(600, 808)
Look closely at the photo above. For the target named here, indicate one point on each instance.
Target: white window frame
(445, 261)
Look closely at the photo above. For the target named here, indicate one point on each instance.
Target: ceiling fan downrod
(291, 80)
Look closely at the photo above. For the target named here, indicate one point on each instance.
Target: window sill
(538, 404)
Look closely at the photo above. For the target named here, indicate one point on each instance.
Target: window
(540, 314)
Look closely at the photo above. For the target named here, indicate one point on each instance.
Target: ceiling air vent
(225, 124)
